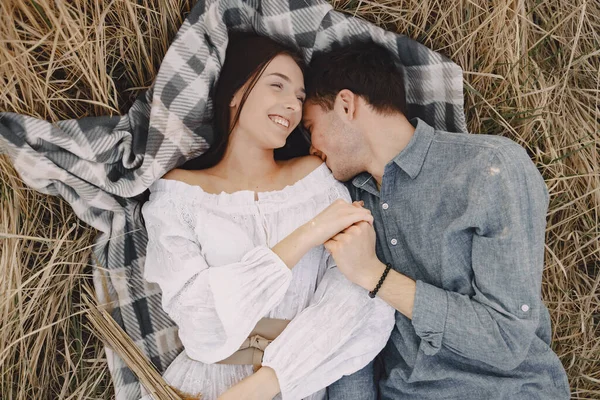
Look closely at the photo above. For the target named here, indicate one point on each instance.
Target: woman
(235, 243)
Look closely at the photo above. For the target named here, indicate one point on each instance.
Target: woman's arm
(217, 307)
(262, 385)
(340, 332)
(335, 218)
(338, 216)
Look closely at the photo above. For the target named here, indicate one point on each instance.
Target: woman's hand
(331, 221)
(334, 219)
(262, 385)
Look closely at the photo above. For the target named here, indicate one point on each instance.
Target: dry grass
(115, 337)
(532, 72)
(46, 351)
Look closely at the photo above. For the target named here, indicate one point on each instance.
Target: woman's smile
(280, 121)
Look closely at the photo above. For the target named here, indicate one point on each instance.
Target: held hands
(354, 253)
(334, 219)
(340, 218)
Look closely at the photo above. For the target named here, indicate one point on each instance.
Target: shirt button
(524, 308)
(385, 206)
(394, 242)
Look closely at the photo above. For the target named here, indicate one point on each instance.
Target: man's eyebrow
(285, 78)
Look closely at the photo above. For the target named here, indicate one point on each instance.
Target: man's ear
(346, 101)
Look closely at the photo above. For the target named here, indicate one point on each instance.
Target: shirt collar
(410, 159)
(365, 181)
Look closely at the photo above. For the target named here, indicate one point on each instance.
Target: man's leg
(361, 385)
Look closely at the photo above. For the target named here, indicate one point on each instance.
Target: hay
(532, 72)
(117, 339)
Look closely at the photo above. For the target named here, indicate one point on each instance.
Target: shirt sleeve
(340, 332)
(215, 308)
(497, 324)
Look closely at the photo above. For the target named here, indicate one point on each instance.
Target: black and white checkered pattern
(98, 163)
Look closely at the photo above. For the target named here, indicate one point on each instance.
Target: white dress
(211, 256)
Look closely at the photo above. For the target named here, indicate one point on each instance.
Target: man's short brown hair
(365, 68)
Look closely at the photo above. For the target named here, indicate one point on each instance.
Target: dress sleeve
(339, 333)
(215, 308)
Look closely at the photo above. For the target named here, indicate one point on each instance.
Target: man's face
(335, 141)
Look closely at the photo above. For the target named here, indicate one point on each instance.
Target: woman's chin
(277, 144)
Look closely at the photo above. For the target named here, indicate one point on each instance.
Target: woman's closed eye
(279, 87)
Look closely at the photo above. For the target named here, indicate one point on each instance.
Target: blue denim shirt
(464, 216)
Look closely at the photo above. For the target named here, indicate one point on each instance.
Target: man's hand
(354, 253)
(262, 385)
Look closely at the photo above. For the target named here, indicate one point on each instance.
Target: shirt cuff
(429, 316)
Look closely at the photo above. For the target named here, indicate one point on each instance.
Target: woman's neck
(247, 166)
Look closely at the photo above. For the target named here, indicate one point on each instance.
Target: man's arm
(497, 324)
(397, 290)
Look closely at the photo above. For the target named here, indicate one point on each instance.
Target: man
(460, 219)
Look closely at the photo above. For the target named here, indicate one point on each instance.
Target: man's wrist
(371, 275)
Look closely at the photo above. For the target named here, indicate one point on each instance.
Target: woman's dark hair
(246, 58)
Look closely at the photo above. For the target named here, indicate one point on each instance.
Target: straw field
(532, 70)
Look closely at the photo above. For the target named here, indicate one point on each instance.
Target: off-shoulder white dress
(210, 254)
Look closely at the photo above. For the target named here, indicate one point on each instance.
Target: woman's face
(274, 106)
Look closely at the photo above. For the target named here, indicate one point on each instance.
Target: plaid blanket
(98, 164)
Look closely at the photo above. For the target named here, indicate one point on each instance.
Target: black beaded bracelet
(373, 292)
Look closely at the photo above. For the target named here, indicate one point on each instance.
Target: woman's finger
(358, 217)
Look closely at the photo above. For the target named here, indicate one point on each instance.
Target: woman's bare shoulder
(177, 175)
(195, 177)
(302, 166)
